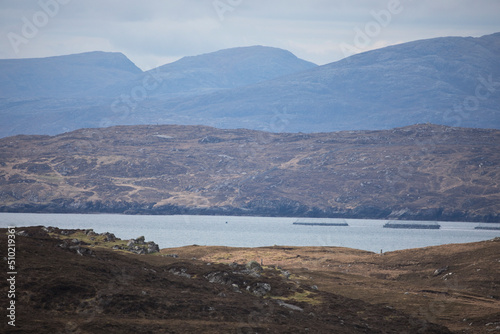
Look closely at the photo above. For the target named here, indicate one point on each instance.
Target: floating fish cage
(488, 226)
(321, 222)
(412, 225)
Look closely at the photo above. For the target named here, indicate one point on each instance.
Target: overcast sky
(154, 32)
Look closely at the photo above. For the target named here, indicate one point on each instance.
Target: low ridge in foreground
(81, 281)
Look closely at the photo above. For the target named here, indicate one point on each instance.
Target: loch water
(176, 231)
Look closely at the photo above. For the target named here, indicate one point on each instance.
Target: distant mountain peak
(98, 58)
(239, 55)
(64, 76)
(116, 60)
(227, 68)
(244, 52)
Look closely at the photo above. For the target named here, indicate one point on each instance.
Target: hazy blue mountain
(450, 81)
(58, 94)
(64, 76)
(225, 69)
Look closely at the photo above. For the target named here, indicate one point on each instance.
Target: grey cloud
(160, 29)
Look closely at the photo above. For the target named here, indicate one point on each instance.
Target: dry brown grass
(469, 289)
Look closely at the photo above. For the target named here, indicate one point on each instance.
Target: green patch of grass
(305, 297)
(98, 240)
(223, 257)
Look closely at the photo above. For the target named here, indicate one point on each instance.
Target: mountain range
(450, 81)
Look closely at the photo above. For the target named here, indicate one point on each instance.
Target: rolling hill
(425, 172)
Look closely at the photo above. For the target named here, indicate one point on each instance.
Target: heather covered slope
(423, 171)
(456, 285)
(77, 281)
(65, 284)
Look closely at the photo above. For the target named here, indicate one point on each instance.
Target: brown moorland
(69, 281)
(424, 172)
(455, 285)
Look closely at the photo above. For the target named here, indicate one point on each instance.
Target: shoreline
(424, 215)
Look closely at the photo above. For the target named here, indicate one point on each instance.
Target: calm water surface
(175, 231)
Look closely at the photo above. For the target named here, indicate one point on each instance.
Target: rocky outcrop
(140, 246)
(69, 241)
(242, 278)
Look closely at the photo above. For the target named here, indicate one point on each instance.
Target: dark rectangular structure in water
(322, 224)
(413, 225)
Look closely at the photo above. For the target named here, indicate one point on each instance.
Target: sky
(152, 33)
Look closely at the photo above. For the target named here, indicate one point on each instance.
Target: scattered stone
(182, 272)
(439, 271)
(153, 247)
(22, 233)
(445, 277)
(90, 233)
(110, 237)
(261, 289)
(139, 246)
(289, 306)
(219, 277)
(81, 250)
(254, 266)
(285, 273)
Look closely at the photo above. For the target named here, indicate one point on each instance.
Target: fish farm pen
(488, 226)
(413, 225)
(321, 222)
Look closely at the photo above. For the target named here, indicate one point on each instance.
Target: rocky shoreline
(272, 210)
